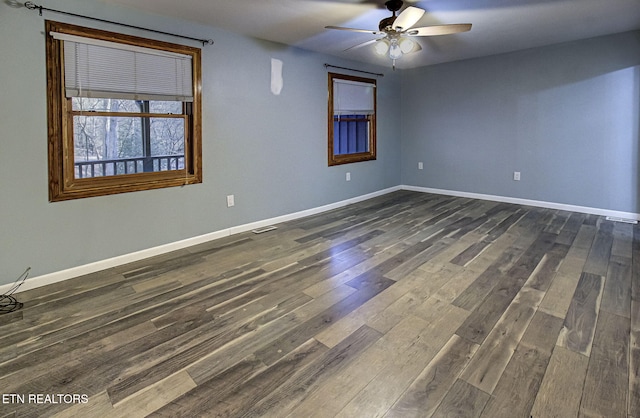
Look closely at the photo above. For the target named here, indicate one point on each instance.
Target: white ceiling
(498, 25)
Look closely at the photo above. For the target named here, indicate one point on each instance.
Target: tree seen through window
(117, 136)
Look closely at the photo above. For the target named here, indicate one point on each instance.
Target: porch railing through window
(101, 168)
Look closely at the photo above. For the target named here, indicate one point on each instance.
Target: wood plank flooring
(406, 305)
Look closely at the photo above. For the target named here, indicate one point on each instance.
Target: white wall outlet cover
(230, 200)
(276, 76)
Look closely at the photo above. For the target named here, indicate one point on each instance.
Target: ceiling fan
(398, 31)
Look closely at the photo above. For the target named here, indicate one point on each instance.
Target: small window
(124, 113)
(352, 119)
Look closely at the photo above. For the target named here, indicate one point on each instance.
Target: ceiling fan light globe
(407, 45)
(394, 51)
(381, 47)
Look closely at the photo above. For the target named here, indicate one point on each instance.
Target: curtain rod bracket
(32, 6)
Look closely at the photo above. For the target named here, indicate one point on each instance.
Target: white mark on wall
(276, 76)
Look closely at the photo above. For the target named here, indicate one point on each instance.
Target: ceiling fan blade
(371, 31)
(439, 30)
(408, 18)
(362, 44)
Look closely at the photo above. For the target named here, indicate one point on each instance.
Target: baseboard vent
(264, 229)
(616, 219)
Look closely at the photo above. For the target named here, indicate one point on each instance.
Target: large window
(123, 112)
(352, 119)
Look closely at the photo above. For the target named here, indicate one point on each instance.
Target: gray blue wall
(565, 116)
(267, 150)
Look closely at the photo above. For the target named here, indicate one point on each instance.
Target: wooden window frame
(62, 182)
(354, 157)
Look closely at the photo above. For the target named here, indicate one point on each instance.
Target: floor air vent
(616, 219)
(264, 229)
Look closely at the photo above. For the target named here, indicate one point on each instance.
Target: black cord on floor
(8, 303)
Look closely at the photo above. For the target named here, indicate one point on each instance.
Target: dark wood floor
(405, 305)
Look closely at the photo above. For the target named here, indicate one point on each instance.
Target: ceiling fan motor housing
(386, 23)
(392, 6)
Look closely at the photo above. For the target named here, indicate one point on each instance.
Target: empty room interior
(320, 208)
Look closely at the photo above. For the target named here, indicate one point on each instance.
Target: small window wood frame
(336, 157)
(64, 184)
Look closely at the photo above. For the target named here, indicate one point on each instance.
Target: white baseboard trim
(89, 268)
(527, 202)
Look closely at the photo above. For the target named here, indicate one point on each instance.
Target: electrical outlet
(420, 165)
(230, 201)
(348, 176)
(516, 175)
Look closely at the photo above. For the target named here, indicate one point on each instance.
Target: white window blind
(353, 97)
(97, 68)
